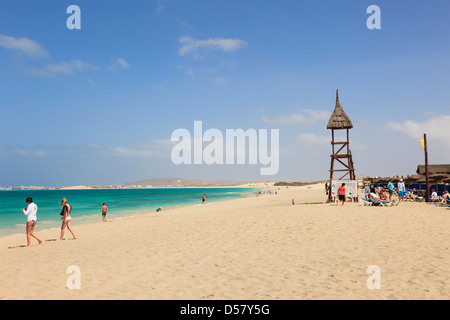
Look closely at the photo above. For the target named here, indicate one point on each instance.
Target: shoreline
(123, 214)
(139, 214)
(86, 187)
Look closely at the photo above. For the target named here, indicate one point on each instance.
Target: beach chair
(378, 202)
(443, 202)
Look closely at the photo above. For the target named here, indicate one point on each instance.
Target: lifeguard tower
(341, 156)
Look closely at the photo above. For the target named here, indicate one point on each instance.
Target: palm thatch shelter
(438, 173)
(414, 177)
(434, 169)
(380, 180)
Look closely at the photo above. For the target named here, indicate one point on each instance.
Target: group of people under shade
(383, 194)
(436, 198)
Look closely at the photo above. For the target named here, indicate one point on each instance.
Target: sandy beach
(250, 248)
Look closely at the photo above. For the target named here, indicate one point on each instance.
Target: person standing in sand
(391, 189)
(341, 194)
(31, 213)
(204, 199)
(401, 190)
(104, 211)
(66, 218)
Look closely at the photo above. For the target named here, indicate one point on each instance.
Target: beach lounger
(378, 202)
(365, 203)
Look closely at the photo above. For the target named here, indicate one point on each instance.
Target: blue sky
(99, 105)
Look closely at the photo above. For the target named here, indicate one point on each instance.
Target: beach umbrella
(437, 178)
(380, 180)
(395, 179)
(415, 178)
(421, 181)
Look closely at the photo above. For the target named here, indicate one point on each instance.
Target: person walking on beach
(104, 211)
(341, 194)
(401, 190)
(31, 213)
(204, 199)
(66, 218)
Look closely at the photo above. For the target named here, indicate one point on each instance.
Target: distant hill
(174, 182)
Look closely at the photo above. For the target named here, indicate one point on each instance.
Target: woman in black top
(66, 218)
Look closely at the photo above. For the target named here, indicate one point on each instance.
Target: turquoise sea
(86, 204)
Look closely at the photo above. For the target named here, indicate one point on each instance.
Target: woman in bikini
(66, 218)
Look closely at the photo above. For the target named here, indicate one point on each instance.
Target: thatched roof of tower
(339, 119)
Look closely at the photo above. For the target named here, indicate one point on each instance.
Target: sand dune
(252, 248)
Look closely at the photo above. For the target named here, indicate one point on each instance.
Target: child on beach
(66, 218)
(204, 199)
(31, 213)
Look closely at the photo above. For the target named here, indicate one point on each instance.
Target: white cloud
(208, 74)
(191, 45)
(152, 148)
(119, 63)
(219, 80)
(311, 116)
(69, 68)
(25, 153)
(161, 5)
(312, 139)
(437, 128)
(147, 149)
(184, 24)
(64, 68)
(24, 46)
(189, 70)
(159, 9)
